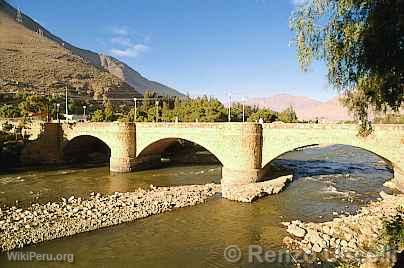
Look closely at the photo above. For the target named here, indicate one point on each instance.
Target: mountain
(282, 101)
(306, 108)
(133, 78)
(27, 33)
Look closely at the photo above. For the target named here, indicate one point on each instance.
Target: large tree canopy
(362, 43)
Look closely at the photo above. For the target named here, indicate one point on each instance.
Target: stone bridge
(244, 149)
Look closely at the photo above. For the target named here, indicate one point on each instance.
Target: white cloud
(299, 2)
(120, 40)
(131, 51)
(121, 30)
(123, 45)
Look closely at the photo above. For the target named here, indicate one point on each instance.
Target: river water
(328, 180)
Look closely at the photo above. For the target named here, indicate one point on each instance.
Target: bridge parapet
(280, 125)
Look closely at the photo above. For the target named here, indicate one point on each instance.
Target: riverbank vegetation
(394, 230)
(12, 142)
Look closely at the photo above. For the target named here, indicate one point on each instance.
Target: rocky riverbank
(354, 239)
(250, 192)
(42, 222)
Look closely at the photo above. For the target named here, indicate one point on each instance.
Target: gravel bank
(42, 222)
(253, 191)
(351, 239)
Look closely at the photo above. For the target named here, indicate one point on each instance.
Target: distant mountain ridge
(306, 108)
(111, 64)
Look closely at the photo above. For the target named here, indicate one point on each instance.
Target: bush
(394, 230)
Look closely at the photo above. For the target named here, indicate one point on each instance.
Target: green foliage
(5, 136)
(394, 230)
(267, 115)
(201, 109)
(9, 111)
(7, 127)
(98, 116)
(34, 104)
(390, 119)
(288, 115)
(109, 115)
(361, 42)
(76, 106)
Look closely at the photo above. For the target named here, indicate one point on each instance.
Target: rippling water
(329, 179)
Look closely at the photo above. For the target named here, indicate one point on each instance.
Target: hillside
(130, 76)
(30, 41)
(306, 108)
(33, 63)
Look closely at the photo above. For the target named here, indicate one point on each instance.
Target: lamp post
(135, 99)
(67, 108)
(243, 102)
(229, 111)
(57, 112)
(157, 110)
(84, 112)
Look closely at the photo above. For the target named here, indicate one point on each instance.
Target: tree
(9, 111)
(34, 104)
(267, 115)
(98, 116)
(361, 42)
(288, 115)
(109, 115)
(76, 106)
(7, 127)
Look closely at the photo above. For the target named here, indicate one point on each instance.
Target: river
(328, 180)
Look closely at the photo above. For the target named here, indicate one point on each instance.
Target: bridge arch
(387, 141)
(265, 166)
(159, 146)
(236, 145)
(119, 137)
(153, 152)
(84, 148)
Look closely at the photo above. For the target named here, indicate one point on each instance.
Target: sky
(212, 47)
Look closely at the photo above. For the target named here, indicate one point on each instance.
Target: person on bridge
(261, 121)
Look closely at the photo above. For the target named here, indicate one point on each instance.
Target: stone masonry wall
(386, 141)
(236, 145)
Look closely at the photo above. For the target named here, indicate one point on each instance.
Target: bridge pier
(122, 143)
(240, 176)
(245, 155)
(121, 164)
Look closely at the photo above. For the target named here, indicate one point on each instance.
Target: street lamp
(67, 103)
(243, 102)
(84, 112)
(57, 113)
(229, 111)
(135, 99)
(157, 110)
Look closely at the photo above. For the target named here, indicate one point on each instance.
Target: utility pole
(229, 111)
(243, 102)
(67, 109)
(19, 16)
(135, 99)
(57, 114)
(157, 110)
